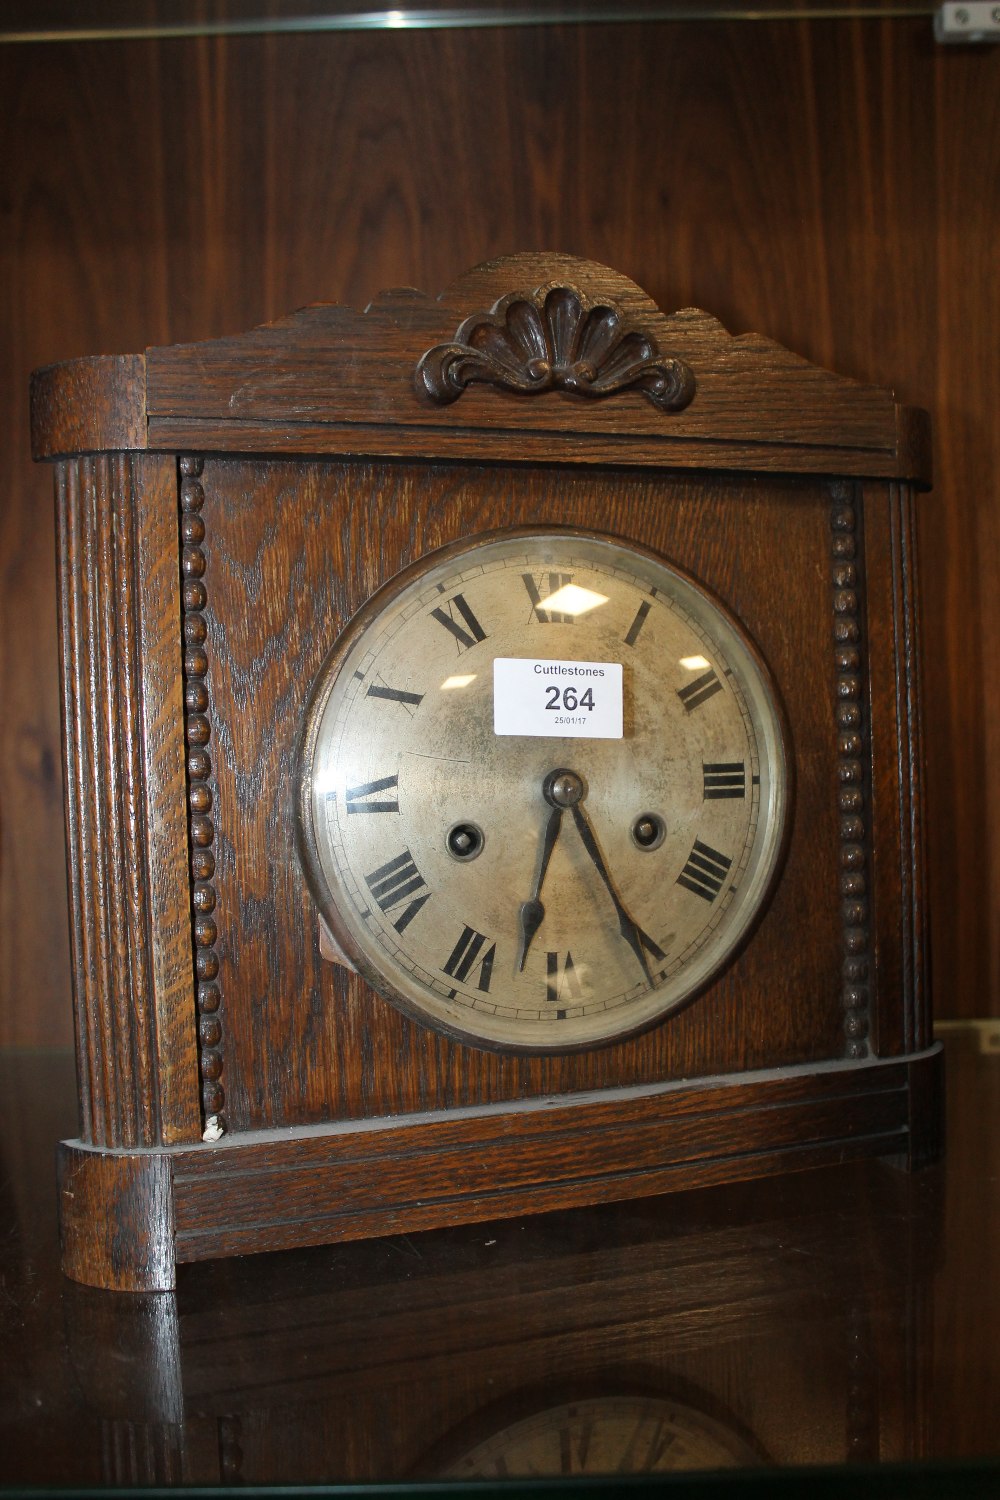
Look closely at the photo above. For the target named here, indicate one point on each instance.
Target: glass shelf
(62, 20)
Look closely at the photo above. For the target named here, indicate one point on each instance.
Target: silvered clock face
(542, 790)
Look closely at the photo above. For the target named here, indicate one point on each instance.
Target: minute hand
(633, 934)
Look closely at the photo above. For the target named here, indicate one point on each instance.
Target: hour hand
(532, 913)
(531, 917)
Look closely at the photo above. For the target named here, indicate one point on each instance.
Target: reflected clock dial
(614, 1434)
(542, 791)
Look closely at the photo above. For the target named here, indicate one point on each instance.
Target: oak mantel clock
(492, 768)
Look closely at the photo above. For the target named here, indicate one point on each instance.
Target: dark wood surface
(289, 387)
(831, 183)
(128, 1218)
(328, 380)
(126, 799)
(293, 1037)
(841, 1316)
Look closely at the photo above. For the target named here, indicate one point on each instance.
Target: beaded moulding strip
(201, 828)
(845, 574)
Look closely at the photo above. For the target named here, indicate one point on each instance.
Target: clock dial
(616, 1434)
(543, 789)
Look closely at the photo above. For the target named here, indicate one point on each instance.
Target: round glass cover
(543, 789)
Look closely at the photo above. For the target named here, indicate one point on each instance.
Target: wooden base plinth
(128, 1217)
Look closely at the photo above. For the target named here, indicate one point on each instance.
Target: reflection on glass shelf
(779, 1323)
(846, 1316)
(116, 20)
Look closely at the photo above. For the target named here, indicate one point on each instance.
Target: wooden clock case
(224, 508)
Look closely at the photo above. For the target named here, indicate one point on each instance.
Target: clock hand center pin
(563, 788)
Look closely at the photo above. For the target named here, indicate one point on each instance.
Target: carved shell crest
(554, 338)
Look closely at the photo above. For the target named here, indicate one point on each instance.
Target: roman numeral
(446, 617)
(585, 1431)
(700, 690)
(356, 796)
(409, 701)
(392, 883)
(724, 778)
(465, 955)
(562, 982)
(638, 623)
(552, 583)
(705, 871)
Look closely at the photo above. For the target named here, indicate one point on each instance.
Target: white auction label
(557, 698)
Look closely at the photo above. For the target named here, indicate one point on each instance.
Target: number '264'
(567, 698)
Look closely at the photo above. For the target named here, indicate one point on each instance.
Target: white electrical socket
(989, 1037)
(968, 21)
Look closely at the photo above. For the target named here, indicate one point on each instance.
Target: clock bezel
(337, 940)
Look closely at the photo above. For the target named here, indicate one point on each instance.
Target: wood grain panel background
(291, 1020)
(832, 184)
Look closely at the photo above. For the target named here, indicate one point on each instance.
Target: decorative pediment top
(610, 379)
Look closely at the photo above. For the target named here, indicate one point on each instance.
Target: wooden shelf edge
(128, 1217)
